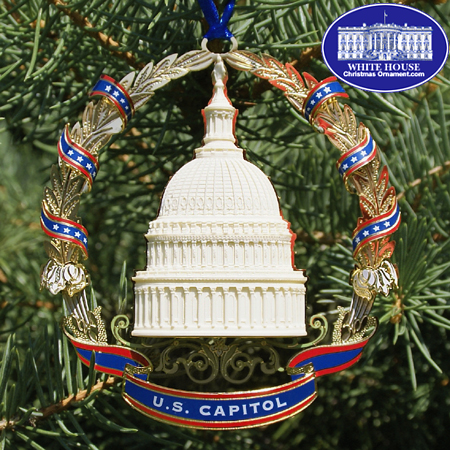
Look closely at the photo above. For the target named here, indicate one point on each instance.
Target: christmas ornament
(220, 287)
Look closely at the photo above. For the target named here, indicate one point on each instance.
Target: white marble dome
(220, 186)
(219, 254)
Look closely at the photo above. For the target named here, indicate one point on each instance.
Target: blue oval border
(331, 29)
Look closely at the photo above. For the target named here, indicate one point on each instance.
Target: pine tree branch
(439, 171)
(307, 56)
(61, 406)
(105, 41)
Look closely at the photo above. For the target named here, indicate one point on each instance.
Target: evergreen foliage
(51, 54)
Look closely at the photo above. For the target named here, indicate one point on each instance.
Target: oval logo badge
(385, 48)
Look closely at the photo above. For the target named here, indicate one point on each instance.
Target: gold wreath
(373, 271)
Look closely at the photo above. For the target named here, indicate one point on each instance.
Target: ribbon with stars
(117, 94)
(77, 157)
(376, 228)
(357, 157)
(64, 229)
(319, 94)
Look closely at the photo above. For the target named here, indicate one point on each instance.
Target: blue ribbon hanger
(218, 26)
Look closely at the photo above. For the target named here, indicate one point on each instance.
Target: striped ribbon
(64, 229)
(328, 359)
(218, 26)
(357, 157)
(376, 228)
(319, 94)
(110, 359)
(77, 157)
(117, 94)
(218, 410)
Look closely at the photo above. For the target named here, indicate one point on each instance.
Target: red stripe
(220, 395)
(220, 425)
(114, 350)
(109, 370)
(84, 360)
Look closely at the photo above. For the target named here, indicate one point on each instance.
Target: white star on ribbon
(89, 166)
(357, 240)
(313, 102)
(126, 107)
(354, 159)
(122, 100)
(85, 240)
(77, 234)
(80, 158)
(363, 153)
(387, 224)
(66, 230)
(116, 93)
(327, 90)
(366, 233)
(345, 166)
(308, 108)
(70, 152)
(107, 88)
(318, 95)
(376, 228)
(55, 227)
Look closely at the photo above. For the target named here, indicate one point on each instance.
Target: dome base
(228, 308)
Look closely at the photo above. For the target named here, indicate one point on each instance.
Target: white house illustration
(385, 42)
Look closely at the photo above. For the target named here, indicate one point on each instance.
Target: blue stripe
(65, 230)
(79, 158)
(325, 91)
(356, 157)
(382, 225)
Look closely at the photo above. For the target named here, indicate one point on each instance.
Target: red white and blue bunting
(117, 94)
(357, 157)
(319, 94)
(77, 157)
(64, 229)
(218, 410)
(376, 228)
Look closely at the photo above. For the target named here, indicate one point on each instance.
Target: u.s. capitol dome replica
(219, 254)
